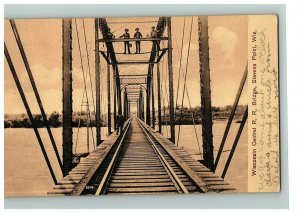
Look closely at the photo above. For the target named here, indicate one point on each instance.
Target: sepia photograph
(141, 105)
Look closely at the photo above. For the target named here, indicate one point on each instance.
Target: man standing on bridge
(126, 35)
(120, 122)
(137, 34)
(154, 34)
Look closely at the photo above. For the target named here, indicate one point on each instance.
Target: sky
(42, 42)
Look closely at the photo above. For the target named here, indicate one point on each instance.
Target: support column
(140, 106)
(158, 100)
(108, 100)
(67, 95)
(143, 107)
(170, 71)
(207, 136)
(97, 76)
(152, 94)
(125, 105)
(128, 109)
(148, 102)
(115, 102)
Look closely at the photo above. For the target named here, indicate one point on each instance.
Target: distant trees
(54, 119)
(7, 124)
(184, 115)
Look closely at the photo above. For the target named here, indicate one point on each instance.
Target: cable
(84, 79)
(89, 69)
(180, 65)
(185, 75)
(185, 90)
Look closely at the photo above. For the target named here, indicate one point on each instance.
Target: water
(26, 172)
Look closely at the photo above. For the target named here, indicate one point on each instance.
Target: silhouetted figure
(154, 34)
(110, 35)
(126, 35)
(137, 34)
(120, 122)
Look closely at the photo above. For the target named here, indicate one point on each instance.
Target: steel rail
(108, 172)
(193, 176)
(165, 162)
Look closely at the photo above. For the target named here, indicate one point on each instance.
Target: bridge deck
(145, 163)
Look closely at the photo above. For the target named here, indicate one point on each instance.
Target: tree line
(185, 115)
(54, 120)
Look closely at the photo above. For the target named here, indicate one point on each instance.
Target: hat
(137, 28)
(126, 30)
(153, 27)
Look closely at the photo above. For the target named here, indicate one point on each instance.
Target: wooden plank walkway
(147, 163)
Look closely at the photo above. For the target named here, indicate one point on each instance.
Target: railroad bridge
(140, 160)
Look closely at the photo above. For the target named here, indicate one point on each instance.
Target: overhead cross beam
(132, 80)
(134, 62)
(133, 75)
(133, 39)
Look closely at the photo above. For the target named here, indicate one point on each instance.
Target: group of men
(137, 34)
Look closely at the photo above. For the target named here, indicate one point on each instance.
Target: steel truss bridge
(140, 160)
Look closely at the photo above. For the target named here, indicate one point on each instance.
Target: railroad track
(140, 163)
(144, 167)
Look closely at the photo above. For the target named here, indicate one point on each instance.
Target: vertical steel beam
(207, 136)
(148, 102)
(125, 105)
(128, 109)
(158, 99)
(108, 100)
(143, 107)
(152, 94)
(115, 101)
(140, 105)
(67, 94)
(170, 71)
(97, 76)
(138, 108)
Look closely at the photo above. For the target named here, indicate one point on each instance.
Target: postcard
(141, 105)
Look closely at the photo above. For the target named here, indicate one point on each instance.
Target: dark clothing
(125, 35)
(126, 47)
(137, 47)
(138, 35)
(120, 123)
(126, 43)
(138, 43)
(110, 35)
